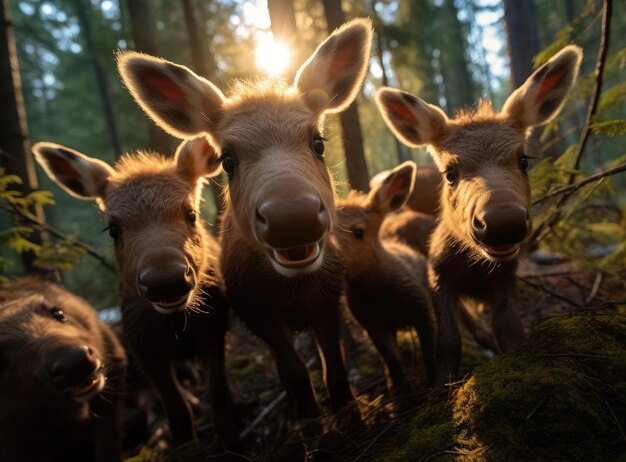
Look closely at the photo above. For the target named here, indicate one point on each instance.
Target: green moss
(558, 397)
(146, 455)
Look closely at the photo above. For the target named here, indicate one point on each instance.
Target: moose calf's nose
(161, 283)
(501, 225)
(72, 366)
(290, 222)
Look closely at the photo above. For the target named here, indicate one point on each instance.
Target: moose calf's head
(481, 154)
(269, 139)
(46, 355)
(360, 216)
(152, 207)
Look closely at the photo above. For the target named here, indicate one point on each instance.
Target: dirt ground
(546, 291)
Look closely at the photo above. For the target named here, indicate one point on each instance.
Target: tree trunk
(380, 52)
(350, 125)
(459, 86)
(523, 41)
(284, 29)
(204, 64)
(103, 86)
(142, 28)
(15, 148)
(522, 47)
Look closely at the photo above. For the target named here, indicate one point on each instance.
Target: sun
(272, 57)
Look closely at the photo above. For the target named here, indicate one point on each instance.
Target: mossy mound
(561, 396)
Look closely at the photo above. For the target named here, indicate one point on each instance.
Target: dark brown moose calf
(279, 256)
(171, 296)
(387, 288)
(485, 199)
(61, 377)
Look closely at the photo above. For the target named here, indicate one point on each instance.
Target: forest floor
(556, 289)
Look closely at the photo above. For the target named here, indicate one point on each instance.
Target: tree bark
(380, 52)
(103, 85)
(15, 148)
(458, 83)
(142, 28)
(283, 19)
(349, 119)
(203, 63)
(523, 40)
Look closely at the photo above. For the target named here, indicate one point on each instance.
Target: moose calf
(61, 377)
(387, 287)
(279, 256)
(171, 291)
(485, 199)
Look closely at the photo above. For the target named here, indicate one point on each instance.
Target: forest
(558, 395)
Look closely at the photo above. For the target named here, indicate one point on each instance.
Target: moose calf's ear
(332, 77)
(393, 191)
(196, 158)
(181, 102)
(412, 120)
(541, 97)
(79, 175)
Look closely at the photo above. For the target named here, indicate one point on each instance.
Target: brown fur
(37, 421)
(147, 199)
(386, 285)
(425, 196)
(411, 228)
(485, 200)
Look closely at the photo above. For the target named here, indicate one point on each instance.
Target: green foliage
(610, 128)
(58, 256)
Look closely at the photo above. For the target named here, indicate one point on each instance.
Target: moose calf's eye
(58, 314)
(451, 175)
(114, 231)
(228, 164)
(191, 216)
(359, 233)
(318, 145)
(524, 163)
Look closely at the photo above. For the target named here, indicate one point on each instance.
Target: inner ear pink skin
(401, 111)
(548, 83)
(167, 88)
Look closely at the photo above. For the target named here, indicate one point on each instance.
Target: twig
(541, 287)
(607, 12)
(536, 408)
(615, 418)
(58, 233)
(572, 188)
(374, 440)
(270, 407)
(595, 288)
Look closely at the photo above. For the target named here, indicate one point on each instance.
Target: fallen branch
(595, 288)
(572, 188)
(551, 292)
(61, 235)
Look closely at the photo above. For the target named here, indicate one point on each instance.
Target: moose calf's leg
(385, 343)
(479, 333)
(507, 326)
(293, 373)
(448, 345)
(219, 394)
(335, 374)
(178, 412)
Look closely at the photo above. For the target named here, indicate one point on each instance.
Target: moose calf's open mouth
(91, 386)
(172, 305)
(303, 257)
(501, 252)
